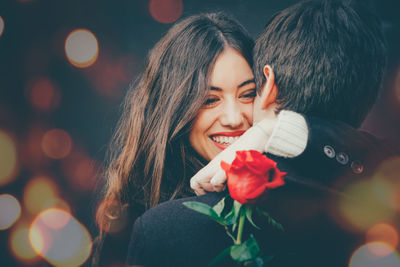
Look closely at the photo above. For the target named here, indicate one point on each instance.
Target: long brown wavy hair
(151, 158)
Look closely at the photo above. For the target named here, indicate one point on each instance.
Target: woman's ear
(270, 90)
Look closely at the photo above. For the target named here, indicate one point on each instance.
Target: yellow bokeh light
(81, 48)
(68, 244)
(366, 256)
(10, 210)
(387, 183)
(20, 245)
(383, 233)
(165, 11)
(40, 238)
(38, 193)
(359, 207)
(8, 158)
(56, 144)
(1, 25)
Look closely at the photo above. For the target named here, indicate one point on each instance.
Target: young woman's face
(228, 110)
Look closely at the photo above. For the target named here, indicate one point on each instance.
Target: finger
(200, 192)
(219, 188)
(197, 188)
(201, 188)
(219, 178)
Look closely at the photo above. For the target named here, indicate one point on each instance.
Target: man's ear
(270, 90)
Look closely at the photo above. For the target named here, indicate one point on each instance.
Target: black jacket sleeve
(335, 150)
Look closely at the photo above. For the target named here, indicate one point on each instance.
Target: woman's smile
(224, 139)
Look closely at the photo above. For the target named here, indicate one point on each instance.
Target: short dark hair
(328, 58)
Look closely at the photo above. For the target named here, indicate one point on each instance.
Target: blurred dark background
(60, 97)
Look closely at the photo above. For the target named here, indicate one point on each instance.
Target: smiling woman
(194, 98)
(228, 111)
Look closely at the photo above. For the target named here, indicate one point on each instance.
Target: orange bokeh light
(384, 233)
(60, 238)
(81, 48)
(166, 11)
(44, 95)
(56, 219)
(397, 85)
(1, 25)
(8, 159)
(56, 144)
(20, 246)
(39, 193)
(111, 74)
(31, 153)
(82, 171)
(10, 211)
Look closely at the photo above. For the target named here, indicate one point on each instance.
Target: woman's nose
(231, 115)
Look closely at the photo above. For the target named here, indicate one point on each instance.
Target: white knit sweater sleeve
(290, 135)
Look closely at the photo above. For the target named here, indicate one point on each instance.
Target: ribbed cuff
(290, 135)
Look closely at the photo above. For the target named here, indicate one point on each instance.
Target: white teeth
(225, 140)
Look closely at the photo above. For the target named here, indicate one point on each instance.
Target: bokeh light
(359, 208)
(60, 238)
(1, 26)
(20, 245)
(40, 192)
(32, 156)
(8, 158)
(56, 144)
(397, 85)
(166, 11)
(111, 74)
(387, 183)
(10, 210)
(43, 94)
(365, 256)
(383, 233)
(82, 172)
(81, 48)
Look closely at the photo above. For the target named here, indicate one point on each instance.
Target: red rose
(250, 176)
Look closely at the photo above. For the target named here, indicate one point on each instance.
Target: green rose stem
(240, 228)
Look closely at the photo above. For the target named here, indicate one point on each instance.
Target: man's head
(327, 58)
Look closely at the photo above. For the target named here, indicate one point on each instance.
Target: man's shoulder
(168, 209)
(173, 218)
(171, 234)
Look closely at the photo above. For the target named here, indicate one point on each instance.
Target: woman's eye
(249, 94)
(211, 101)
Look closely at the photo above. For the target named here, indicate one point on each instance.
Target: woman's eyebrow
(240, 85)
(246, 82)
(215, 89)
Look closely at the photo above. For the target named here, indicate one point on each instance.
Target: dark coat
(336, 154)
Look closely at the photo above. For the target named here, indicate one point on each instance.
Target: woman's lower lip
(220, 146)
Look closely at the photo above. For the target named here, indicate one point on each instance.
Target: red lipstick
(236, 133)
(226, 134)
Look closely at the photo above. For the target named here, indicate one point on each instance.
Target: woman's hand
(212, 177)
